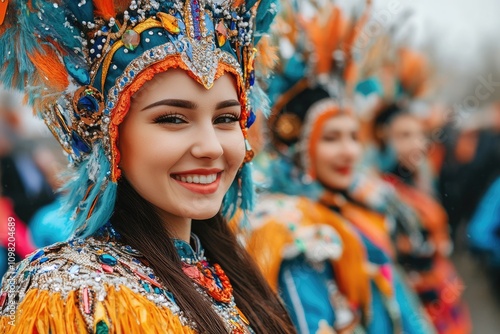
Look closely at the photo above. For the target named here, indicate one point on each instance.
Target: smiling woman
(151, 100)
(196, 146)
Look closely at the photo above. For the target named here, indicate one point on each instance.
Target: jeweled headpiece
(316, 72)
(80, 61)
(316, 55)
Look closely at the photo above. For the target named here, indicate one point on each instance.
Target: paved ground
(483, 302)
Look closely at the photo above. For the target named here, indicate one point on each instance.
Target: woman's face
(337, 151)
(181, 144)
(407, 137)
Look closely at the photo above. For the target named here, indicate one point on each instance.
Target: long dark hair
(136, 220)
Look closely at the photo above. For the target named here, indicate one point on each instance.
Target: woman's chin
(204, 214)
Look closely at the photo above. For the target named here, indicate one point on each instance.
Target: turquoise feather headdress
(80, 61)
(316, 73)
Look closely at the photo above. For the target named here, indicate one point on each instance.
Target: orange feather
(326, 32)
(268, 55)
(121, 5)
(50, 68)
(237, 3)
(104, 8)
(413, 72)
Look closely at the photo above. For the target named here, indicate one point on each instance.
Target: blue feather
(266, 12)
(81, 13)
(103, 191)
(247, 188)
(229, 203)
(259, 100)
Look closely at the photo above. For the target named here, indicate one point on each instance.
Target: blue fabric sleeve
(484, 228)
(380, 321)
(413, 317)
(304, 290)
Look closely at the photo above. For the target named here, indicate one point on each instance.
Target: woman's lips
(343, 170)
(204, 183)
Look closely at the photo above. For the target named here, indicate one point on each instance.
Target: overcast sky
(461, 36)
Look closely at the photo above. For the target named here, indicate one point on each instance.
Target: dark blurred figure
(24, 179)
(471, 165)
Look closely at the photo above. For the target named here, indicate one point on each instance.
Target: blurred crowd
(29, 173)
(428, 172)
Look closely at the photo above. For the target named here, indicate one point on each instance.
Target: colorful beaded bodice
(94, 274)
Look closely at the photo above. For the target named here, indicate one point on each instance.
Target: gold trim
(148, 24)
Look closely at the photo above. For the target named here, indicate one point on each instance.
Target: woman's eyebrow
(227, 104)
(173, 103)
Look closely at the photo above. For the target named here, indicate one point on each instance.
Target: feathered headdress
(80, 61)
(316, 40)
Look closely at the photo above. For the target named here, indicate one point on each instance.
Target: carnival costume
(433, 277)
(79, 63)
(314, 259)
(424, 257)
(309, 88)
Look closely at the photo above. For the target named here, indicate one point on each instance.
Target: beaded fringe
(122, 311)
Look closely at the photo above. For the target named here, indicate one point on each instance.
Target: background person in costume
(401, 152)
(308, 254)
(151, 100)
(328, 152)
(309, 36)
(435, 280)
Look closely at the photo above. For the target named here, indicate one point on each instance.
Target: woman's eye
(224, 119)
(330, 138)
(170, 119)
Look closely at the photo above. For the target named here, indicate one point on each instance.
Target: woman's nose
(207, 143)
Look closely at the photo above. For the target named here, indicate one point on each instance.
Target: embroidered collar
(190, 253)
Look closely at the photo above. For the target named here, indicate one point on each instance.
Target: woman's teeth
(201, 179)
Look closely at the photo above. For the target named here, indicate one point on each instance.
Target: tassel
(229, 203)
(247, 188)
(266, 245)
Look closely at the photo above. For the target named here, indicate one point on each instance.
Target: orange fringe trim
(123, 311)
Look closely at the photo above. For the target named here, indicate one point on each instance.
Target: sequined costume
(425, 258)
(311, 84)
(314, 260)
(100, 285)
(435, 279)
(79, 63)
